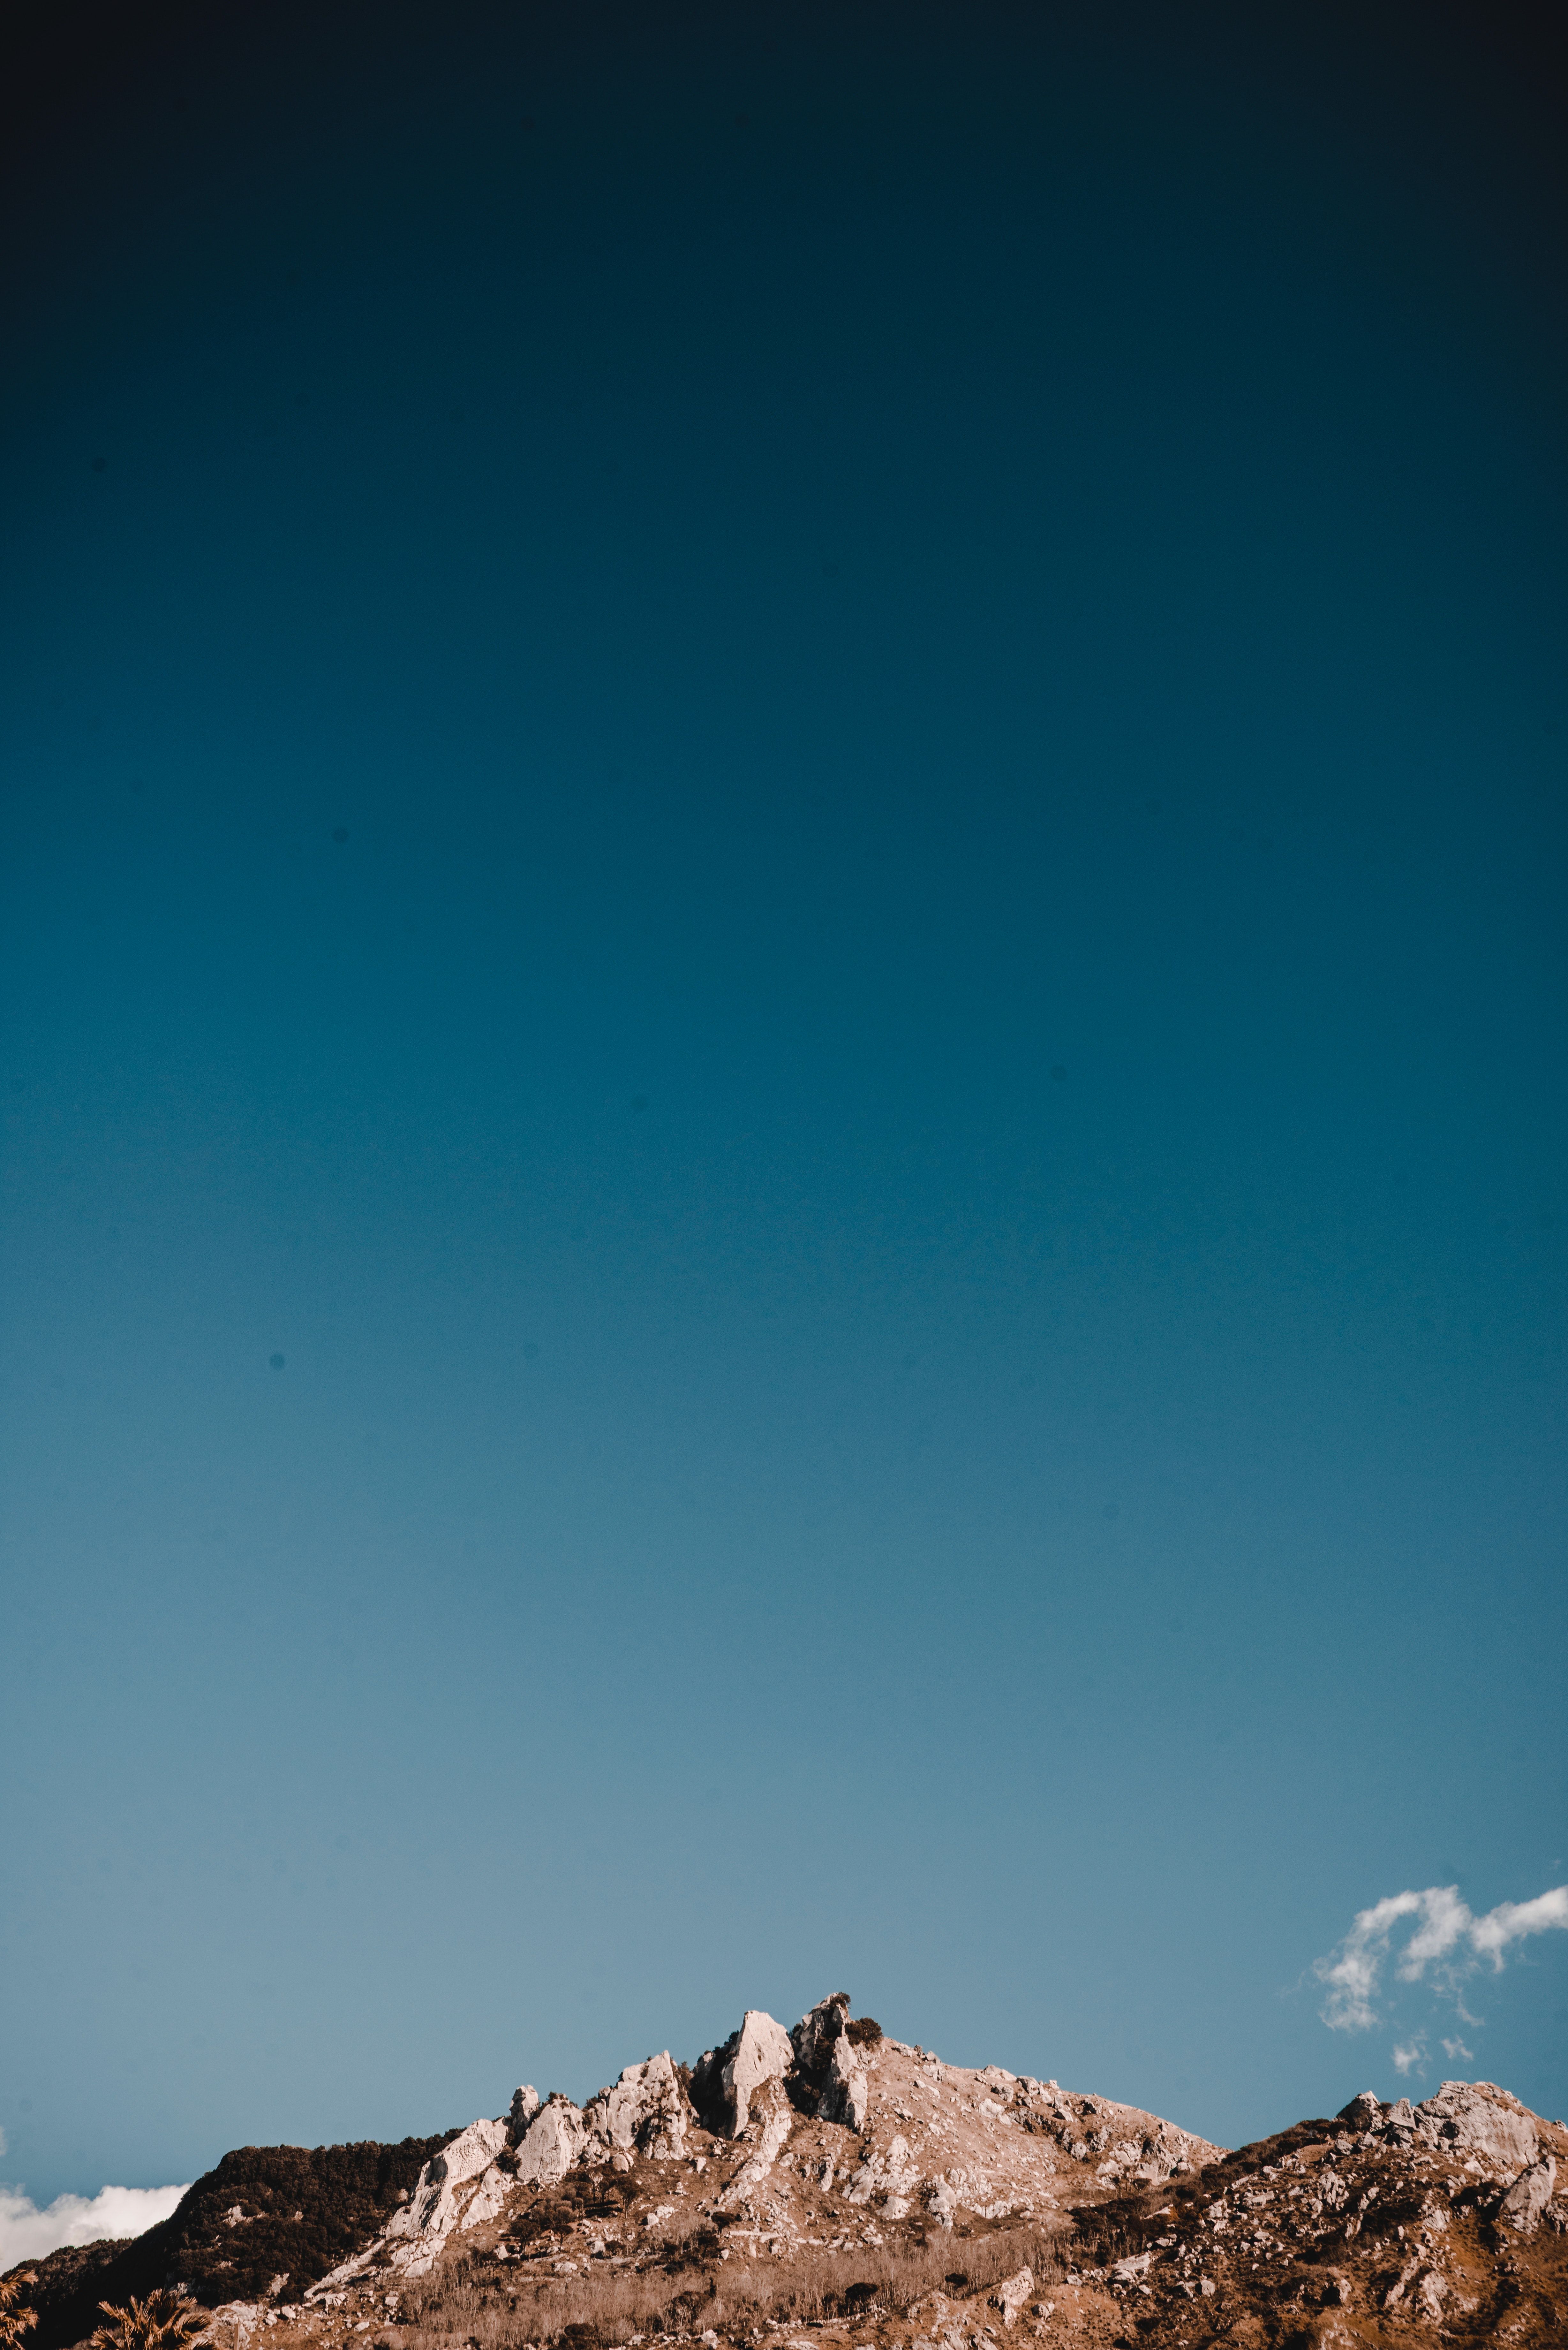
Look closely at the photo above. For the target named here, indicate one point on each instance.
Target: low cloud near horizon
(28, 2232)
(1448, 1936)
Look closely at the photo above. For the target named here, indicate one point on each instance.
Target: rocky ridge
(829, 2185)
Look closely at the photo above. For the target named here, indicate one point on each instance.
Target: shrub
(15, 2315)
(164, 2320)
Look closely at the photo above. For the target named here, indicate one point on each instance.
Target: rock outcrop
(846, 2093)
(763, 2053)
(815, 2035)
(553, 2141)
(420, 2231)
(1012, 2294)
(777, 2119)
(1529, 2196)
(645, 2112)
(1476, 2117)
(828, 2061)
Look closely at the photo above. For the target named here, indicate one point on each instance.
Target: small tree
(14, 2315)
(164, 2320)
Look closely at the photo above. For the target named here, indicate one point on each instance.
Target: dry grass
(481, 2306)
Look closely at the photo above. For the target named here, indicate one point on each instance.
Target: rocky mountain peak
(831, 2184)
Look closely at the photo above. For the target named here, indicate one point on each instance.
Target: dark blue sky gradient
(909, 1166)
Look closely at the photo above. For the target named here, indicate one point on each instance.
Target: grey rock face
(942, 2202)
(553, 2143)
(645, 2112)
(845, 2096)
(815, 2033)
(1528, 2196)
(1479, 2119)
(1012, 2294)
(764, 2052)
(420, 2231)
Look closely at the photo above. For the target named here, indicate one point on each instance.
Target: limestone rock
(1480, 2119)
(888, 2175)
(1363, 2111)
(845, 2096)
(645, 2112)
(525, 2106)
(1528, 2196)
(831, 2063)
(1012, 2294)
(1431, 2292)
(815, 2033)
(778, 2122)
(942, 2202)
(553, 2143)
(764, 2052)
(418, 2232)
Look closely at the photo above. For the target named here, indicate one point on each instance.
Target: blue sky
(793, 788)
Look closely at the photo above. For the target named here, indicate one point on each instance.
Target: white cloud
(1510, 1920)
(27, 2233)
(1456, 2052)
(1444, 1924)
(1409, 2058)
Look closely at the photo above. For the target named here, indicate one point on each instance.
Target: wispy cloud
(27, 2232)
(1409, 2058)
(1456, 2053)
(1447, 1936)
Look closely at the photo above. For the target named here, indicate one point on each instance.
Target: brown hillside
(834, 2190)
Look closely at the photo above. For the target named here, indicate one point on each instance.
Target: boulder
(1012, 2294)
(554, 2141)
(942, 2202)
(1363, 2111)
(1475, 2118)
(1431, 2292)
(1528, 2196)
(645, 2112)
(764, 2052)
(525, 2106)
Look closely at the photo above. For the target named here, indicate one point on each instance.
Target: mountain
(833, 2189)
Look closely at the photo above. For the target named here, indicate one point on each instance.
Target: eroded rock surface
(763, 2053)
(552, 2142)
(647, 2111)
(421, 2229)
(847, 2091)
(1477, 2117)
(1529, 2196)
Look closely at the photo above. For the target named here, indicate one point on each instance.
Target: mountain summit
(831, 2186)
